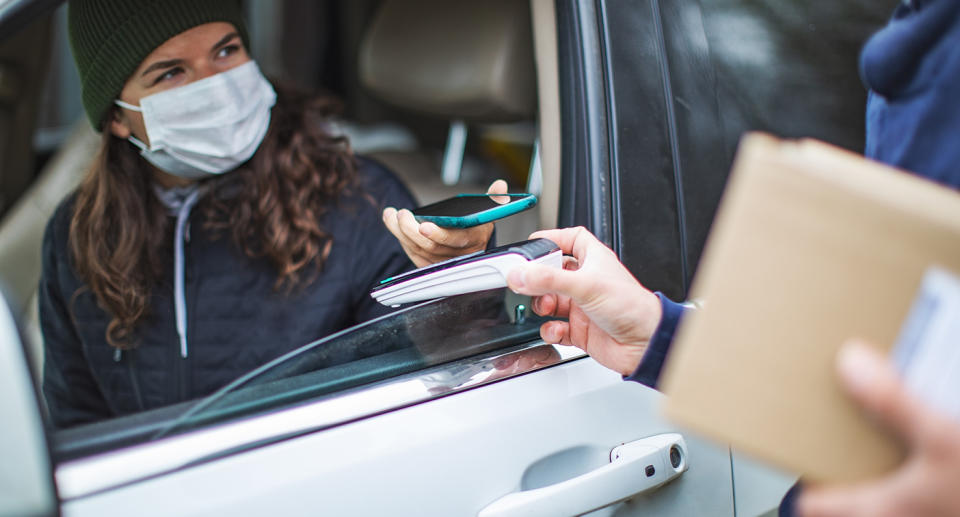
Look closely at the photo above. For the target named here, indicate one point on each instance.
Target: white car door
(486, 420)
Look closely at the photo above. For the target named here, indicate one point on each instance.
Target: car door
(451, 407)
(463, 421)
(406, 443)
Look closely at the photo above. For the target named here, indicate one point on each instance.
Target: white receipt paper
(927, 352)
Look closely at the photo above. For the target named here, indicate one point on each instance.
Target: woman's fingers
(391, 222)
(442, 241)
(458, 239)
(411, 230)
(427, 243)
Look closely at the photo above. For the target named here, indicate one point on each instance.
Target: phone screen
(463, 206)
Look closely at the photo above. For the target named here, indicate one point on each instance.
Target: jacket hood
(917, 46)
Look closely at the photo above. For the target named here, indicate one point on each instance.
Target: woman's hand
(427, 243)
(927, 482)
(611, 316)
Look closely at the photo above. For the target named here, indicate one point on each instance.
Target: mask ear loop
(130, 107)
(132, 139)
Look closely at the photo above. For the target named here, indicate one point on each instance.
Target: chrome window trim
(91, 475)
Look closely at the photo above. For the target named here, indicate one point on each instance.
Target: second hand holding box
(812, 245)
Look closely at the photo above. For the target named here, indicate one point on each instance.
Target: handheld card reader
(467, 274)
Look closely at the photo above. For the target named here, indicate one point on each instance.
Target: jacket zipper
(131, 367)
(181, 241)
(131, 370)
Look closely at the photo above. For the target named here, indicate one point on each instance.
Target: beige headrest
(455, 59)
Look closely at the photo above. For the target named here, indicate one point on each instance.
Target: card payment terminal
(470, 273)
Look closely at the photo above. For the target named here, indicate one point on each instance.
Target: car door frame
(661, 178)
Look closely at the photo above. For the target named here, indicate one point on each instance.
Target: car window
(413, 339)
(422, 336)
(284, 40)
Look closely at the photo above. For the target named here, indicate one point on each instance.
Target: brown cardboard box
(812, 244)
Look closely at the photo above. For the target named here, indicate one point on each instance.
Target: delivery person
(912, 68)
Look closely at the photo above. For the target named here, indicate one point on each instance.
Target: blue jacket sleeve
(648, 372)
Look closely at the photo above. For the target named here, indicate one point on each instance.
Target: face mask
(209, 126)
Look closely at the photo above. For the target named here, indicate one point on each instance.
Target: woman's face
(192, 55)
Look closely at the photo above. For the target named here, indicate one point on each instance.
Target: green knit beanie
(110, 38)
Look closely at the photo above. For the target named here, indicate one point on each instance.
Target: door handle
(634, 468)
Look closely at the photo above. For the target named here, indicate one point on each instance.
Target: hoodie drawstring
(179, 296)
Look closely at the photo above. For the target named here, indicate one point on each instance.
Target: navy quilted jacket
(235, 319)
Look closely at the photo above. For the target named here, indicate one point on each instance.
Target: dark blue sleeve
(648, 372)
(788, 505)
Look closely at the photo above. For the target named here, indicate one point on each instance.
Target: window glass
(409, 340)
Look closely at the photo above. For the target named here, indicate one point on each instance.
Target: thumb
(498, 187)
(537, 280)
(875, 385)
(836, 502)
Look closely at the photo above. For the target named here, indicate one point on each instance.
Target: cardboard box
(811, 245)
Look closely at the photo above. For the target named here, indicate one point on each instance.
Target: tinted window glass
(412, 339)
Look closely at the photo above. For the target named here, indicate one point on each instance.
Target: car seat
(21, 230)
(462, 62)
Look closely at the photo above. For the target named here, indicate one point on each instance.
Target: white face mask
(210, 126)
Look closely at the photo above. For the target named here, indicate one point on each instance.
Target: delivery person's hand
(426, 243)
(610, 315)
(927, 483)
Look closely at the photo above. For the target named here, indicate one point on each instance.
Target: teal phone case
(485, 216)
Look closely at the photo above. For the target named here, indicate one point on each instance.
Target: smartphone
(466, 210)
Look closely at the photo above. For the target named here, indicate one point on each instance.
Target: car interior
(449, 101)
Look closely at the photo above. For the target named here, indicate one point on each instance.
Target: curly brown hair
(120, 229)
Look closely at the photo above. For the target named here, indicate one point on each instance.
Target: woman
(219, 226)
